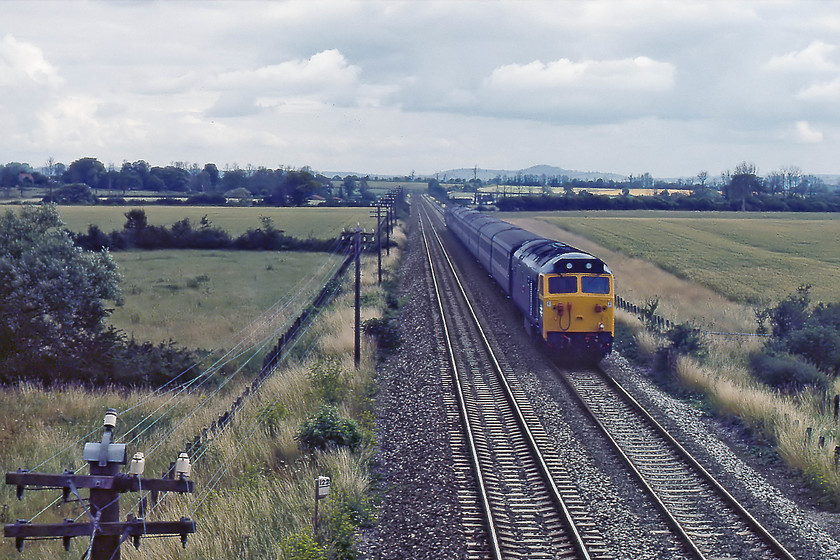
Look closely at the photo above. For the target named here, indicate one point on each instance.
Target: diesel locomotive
(566, 296)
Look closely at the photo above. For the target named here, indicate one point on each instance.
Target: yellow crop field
(305, 222)
(748, 258)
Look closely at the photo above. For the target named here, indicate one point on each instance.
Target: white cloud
(638, 74)
(813, 58)
(826, 91)
(613, 89)
(806, 134)
(324, 78)
(372, 86)
(22, 64)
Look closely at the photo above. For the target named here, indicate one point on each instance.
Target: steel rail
(462, 408)
(673, 521)
(762, 532)
(575, 537)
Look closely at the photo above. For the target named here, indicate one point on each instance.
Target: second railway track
(708, 518)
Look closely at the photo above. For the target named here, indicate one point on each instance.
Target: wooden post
(357, 345)
(379, 245)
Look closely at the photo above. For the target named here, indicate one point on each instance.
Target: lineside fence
(289, 338)
(273, 357)
(656, 321)
(661, 324)
(829, 404)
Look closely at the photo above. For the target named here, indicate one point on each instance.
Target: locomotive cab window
(595, 284)
(562, 284)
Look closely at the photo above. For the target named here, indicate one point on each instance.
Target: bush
(810, 332)
(819, 345)
(784, 371)
(301, 546)
(330, 380)
(385, 332)
(327, 429)
(686, 339)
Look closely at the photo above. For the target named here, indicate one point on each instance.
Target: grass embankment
(254, 483)
(749, 258)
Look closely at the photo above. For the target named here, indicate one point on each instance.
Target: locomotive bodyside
(566, 296)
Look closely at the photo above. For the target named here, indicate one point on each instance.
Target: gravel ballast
(419, 512)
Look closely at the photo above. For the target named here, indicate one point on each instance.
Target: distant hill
(538, 170)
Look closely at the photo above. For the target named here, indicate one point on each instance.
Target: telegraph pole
(357, 248)
(105, 484)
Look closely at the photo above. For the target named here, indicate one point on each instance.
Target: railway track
(527, 502)
(707, 517)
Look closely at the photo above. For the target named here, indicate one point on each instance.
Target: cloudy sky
(386, 87)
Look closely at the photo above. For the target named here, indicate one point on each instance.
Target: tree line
(741, 190)
(137, 233)
(787, 181)
(82, 181)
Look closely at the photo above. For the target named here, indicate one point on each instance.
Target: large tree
(88, 170)
(743, 184)
(53, 298)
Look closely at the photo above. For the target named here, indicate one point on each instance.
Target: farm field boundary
(748, 258)
(299, 222)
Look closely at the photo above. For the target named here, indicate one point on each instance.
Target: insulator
(110, 418)
(138, 464)
(182, 466)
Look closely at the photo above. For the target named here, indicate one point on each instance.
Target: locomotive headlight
(601, 327)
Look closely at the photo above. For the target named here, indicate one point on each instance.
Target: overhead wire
(330, 265)
(255, 349)
(217, 476)
(236, 351)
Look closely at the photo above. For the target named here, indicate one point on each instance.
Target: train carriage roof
(497, 226)
(553, 257)
(510, 240)
(476, 220)
(546, 255)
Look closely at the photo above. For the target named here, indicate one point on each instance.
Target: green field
(749, 258)
(202, 299)
(305, 222)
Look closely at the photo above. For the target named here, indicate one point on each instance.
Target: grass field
(749, 258)
(201, 299)
(720, 263)
(318, 223)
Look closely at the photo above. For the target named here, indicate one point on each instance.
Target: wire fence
(662, 324)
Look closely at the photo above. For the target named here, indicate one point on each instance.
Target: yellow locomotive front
(577, 312)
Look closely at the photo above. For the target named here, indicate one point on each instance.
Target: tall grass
(793, 422)
(254, 484)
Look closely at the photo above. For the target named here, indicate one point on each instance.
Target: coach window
(595, 284)
(562, 284)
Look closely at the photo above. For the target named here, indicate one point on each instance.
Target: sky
(670, 88)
